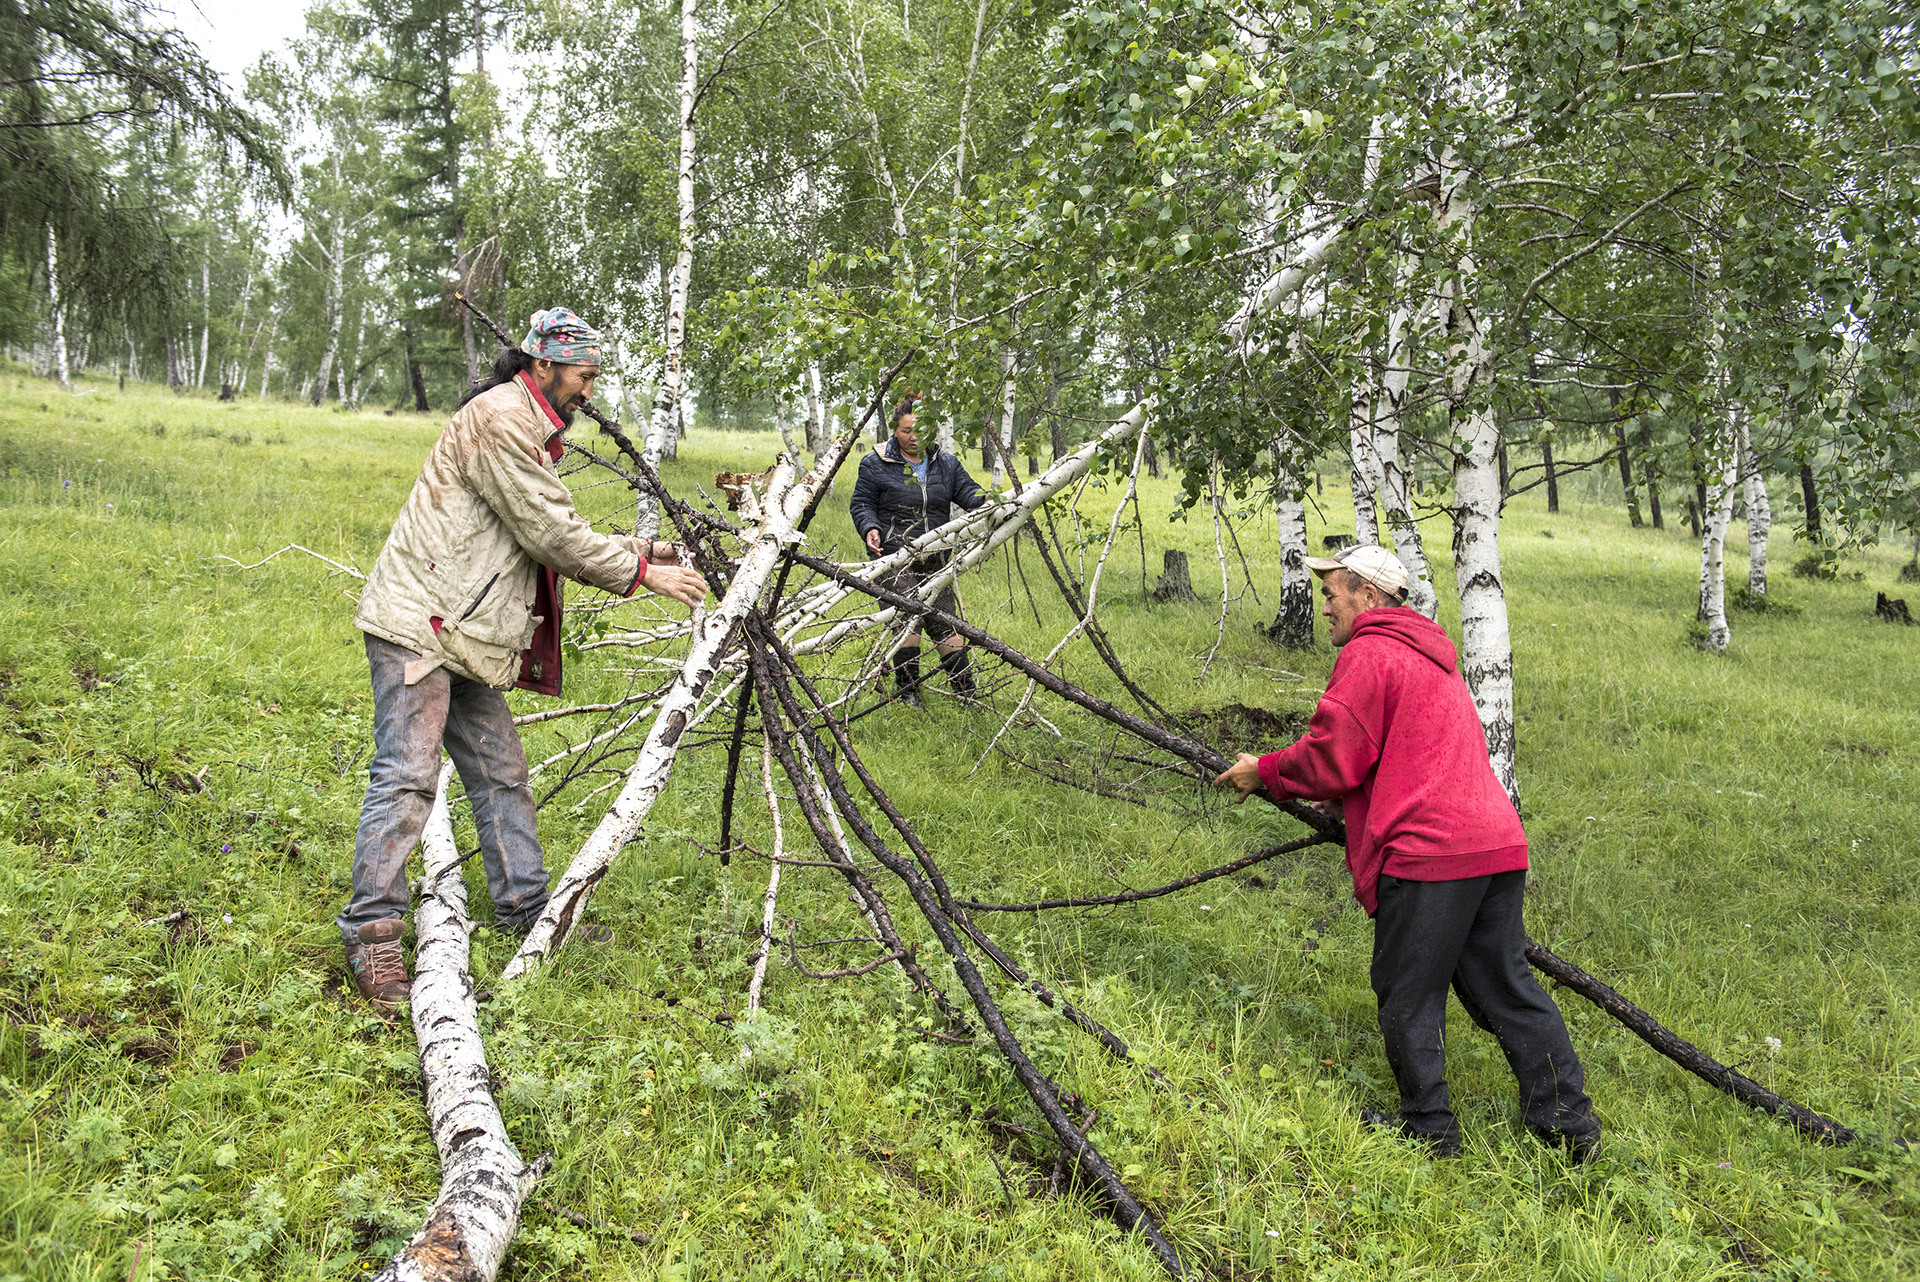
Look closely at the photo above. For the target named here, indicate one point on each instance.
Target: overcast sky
(234, 33)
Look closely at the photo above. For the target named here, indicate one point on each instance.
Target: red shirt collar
(555, 446)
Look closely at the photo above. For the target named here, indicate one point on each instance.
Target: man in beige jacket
(463, 604)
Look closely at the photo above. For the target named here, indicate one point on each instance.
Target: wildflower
(1773, 1045)
(1206, 908)
(227, 849)
(227, 918)
(1273, 1232)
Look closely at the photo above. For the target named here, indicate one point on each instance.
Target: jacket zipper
(477, 600)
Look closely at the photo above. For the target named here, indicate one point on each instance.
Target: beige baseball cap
(1371, 562)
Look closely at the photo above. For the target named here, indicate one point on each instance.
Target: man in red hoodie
(1437, 855)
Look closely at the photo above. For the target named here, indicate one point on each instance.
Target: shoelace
(389, 964)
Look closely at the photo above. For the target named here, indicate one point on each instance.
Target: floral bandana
(559, 336)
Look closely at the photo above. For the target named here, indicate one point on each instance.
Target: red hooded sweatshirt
(1397, 739)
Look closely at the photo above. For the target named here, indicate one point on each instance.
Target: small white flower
(227, 918)
(1206, 908)
(1273, 1232)
(1773, 1045)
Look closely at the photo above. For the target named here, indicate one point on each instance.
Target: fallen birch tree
(482, 1177)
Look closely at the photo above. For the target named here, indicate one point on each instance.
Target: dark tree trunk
(1626, 477)
(1176, 584)
(1653, 496)
(1153, 456)
(414, 378)
(1693, 517)
(1699, 503)
(1503, 471)
(1553, 477)
(1810, 500)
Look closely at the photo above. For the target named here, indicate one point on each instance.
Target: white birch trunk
(1396, 506)
(770, 905)
(336, 290)
(1759, 514)
(816, 413)
(482, 1177)
(662, 439)
(1366, 524)
(1713, 530)
(1301, 266)
(56, 305)
(347, 363)
(1293, 626)
(206, 312)
(1486, 659)
(1001, 470)
(786, 499)
(266, 362)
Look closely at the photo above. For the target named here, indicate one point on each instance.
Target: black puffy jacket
(889, 498)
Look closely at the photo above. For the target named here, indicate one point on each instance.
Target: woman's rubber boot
(906, 675)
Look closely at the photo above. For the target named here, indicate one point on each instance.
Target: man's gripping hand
(873, 541)
(1243, 776)
(677, 581)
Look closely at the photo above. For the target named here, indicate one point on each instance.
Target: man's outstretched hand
(1243, 776)
(677, 581)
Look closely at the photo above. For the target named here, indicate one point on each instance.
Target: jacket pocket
(486, 639)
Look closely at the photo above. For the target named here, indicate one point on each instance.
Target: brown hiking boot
(378, 968)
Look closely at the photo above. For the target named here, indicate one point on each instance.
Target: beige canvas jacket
(488, 509)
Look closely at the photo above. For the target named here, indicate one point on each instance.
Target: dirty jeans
(410, 723)
(1468, 934)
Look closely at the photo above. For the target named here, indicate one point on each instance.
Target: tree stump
(1910, 572)
(1893, 610)
(1175, 584)
(226, 391)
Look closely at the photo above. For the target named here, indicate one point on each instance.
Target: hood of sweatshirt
(1411, 628)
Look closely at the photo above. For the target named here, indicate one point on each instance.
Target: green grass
(1726, 839)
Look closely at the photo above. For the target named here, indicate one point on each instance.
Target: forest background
(1454, 259)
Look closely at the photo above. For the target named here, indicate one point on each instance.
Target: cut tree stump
(1175, 584)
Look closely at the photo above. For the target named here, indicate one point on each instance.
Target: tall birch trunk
(56, 305)
(336, 302)
(1486, 659)
(206, 313)
(1396, 506)
(1718, 514)
(1293, 625)
(816, 413)
(1759, 514)
(1366, 522)
(482, 1177)
(1719, 456)
(359, 333)
(663, 429)
(1001, 467)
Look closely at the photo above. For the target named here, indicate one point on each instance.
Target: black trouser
(1469, 934)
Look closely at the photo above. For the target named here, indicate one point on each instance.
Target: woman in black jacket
(905, 489)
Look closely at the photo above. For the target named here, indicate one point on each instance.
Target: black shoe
(912, 699)
(1395, 1125)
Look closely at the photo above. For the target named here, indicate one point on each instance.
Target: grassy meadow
(1728, 840)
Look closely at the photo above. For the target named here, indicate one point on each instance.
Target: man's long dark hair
(506, 365)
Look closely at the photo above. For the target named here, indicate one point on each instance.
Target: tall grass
(1725, 839)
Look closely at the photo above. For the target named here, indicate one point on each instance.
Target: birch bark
(56, 305)
(1759, 514)
(482, 1177)
(1720, 447)
(1486, 659)
(999, 472)
(663, 428)
(1293, 625)
(336, 292)
(1395, 505)
(206, 312)
(1366, 523)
